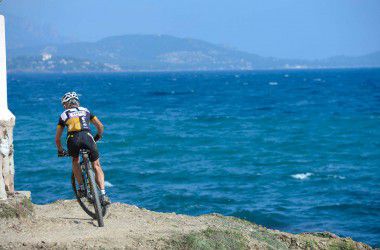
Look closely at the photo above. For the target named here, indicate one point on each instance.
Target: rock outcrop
(63, 225)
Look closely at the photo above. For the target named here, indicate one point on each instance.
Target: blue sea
(291, 150)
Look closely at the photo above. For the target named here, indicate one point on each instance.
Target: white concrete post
(7, 122)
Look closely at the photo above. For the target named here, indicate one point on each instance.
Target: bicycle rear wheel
(86, 203)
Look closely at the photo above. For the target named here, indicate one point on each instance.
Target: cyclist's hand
(62, 153)
(97, 137)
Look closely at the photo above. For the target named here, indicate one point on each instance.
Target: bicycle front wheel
(86, 202)
(95, 195)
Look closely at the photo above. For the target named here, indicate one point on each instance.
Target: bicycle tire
(95, 194)
(83, 206)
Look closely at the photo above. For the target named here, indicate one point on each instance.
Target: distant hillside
(46, 63)
(158, 52)
(152, 52)
(369, 60)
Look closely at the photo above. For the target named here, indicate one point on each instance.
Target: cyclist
(77, 119)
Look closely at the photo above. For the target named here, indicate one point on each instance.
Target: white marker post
(7, 122)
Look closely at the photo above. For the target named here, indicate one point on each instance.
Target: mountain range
(33, 48)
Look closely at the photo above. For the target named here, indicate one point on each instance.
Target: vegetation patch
(270, 239)
(16, 208)
(210, 239)
(342, 244)
(311, 244)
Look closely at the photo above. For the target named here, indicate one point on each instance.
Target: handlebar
(64, 154)
(97, 137)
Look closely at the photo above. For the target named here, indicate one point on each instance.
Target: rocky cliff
(63, 225)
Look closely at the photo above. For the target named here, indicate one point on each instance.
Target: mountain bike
(90, 202)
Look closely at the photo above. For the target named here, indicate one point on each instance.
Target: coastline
(26, 72)
(63, 225)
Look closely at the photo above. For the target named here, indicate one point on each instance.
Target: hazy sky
(280, 28)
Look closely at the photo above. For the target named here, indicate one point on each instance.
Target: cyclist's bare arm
(99, 126)
(58, 135)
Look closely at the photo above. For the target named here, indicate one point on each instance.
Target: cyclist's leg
(99, 174)
(76, 170)
(73, 148)
(90, 144)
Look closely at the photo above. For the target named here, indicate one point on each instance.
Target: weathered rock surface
(63, 225)
(17, 206)
(7, 170)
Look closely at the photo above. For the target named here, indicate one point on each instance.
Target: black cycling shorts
(82, 140)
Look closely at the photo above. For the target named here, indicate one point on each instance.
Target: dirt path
(64, 225)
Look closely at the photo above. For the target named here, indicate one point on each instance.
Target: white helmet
(69, 96)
